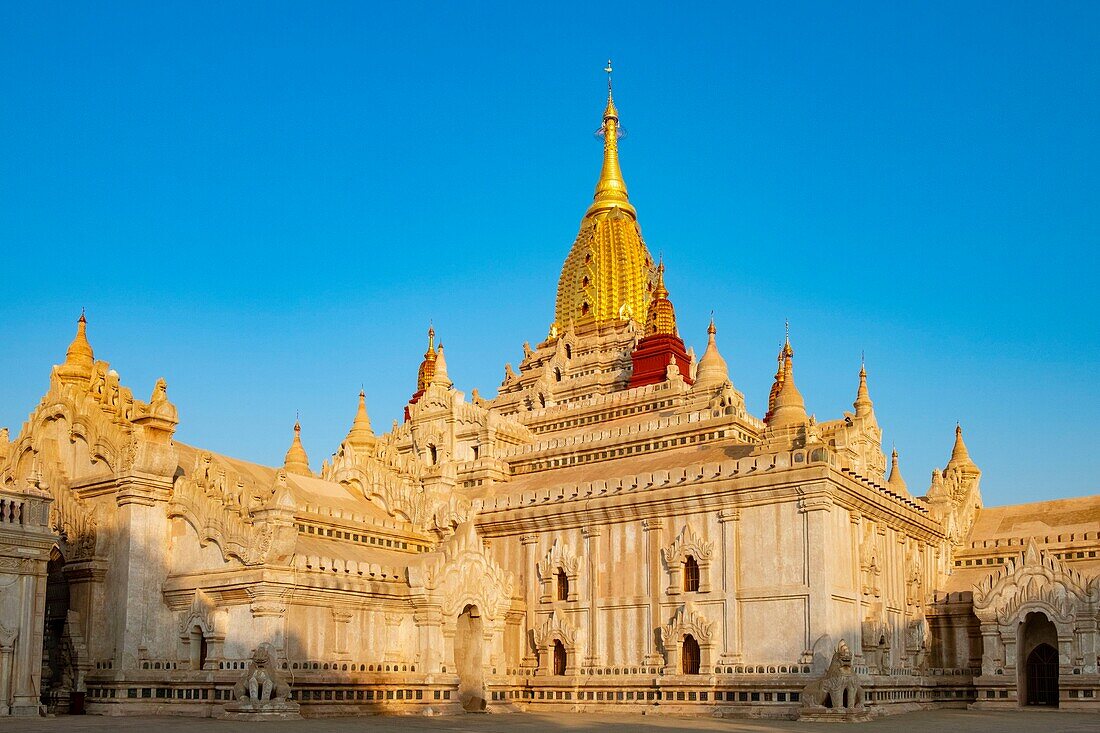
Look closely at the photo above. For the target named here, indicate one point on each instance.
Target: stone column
(531, 589)
(730, 558)
(269, 616)
(817, 578)
(340, 621)
(429, 627)
(141, 522)
(27, 660)
(654, 585)
(991, 648)
(7, 647)
(592, 551)
(393, 627)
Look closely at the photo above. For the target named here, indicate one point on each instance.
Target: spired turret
(960, 456)
(785, 354)
(608, 275)
(427, 372)
(789, 407)
(296, 460)
(661, 347)
(863, 405)
(896, 483)
(712, 370)
(361, 435)
(79, 358)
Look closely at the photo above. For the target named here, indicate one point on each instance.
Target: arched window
(433, 454)
(559, 658)
(542, 400)
(557, 374)
(691, 575)
(690, 655)
(584, 309)
(474, 452)
(563, 586)
(568, 351)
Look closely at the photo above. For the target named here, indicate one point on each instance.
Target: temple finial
(863, 404)
(611, 188)
(296, 460)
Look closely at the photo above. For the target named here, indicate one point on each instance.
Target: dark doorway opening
(690, 655)
(559, 658)
(1042, 676)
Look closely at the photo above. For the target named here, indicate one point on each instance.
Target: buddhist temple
(612, 530)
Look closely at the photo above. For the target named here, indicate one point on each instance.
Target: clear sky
(266, 202)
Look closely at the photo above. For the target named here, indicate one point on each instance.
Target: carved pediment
(687, 620)
(560, 556)
(687, 543)
(1036, 579)
(461, 572)
(557, 627)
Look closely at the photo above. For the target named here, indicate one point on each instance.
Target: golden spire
(440, 375)
(79, 359)
(361, 434)
(863, 403)
(608, 275)
(712, 368)
(296, 460)
(786, 353)
(611, 188)
(661, 316)
(960, 456)
(896, 483)
(80, 351)
(790, 409)
(427, 367)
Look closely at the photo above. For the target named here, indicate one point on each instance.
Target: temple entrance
(1042, 676)
(559, 658)
(198, 648)
(469, 643)
(690, 655)
(1037, 672)
(57, 672)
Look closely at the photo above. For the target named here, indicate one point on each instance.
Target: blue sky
(265, 203)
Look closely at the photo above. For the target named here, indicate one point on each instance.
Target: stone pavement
(928, 721)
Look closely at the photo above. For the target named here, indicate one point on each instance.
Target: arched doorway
(690, 655)
(1037, 671)
(1041, 669)
(57, 673)
(198, 648)
(469, 643)
(560, 658)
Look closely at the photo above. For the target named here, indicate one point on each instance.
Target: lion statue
(839, 688)
(262, 683)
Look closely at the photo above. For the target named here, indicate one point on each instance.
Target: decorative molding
(1034, 579)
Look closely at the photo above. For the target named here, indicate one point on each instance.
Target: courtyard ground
(928, 721)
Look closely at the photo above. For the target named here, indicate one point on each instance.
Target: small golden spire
(896, 483)
(361, 434)
(660, 316)
(863, 404)
(712, 369)
(960, 456)
(789, 409)
(427, 367)
(611, 188)
(80, 352)
(440, 374)
(296, 460)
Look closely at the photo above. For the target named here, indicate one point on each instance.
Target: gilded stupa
(608, 276)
